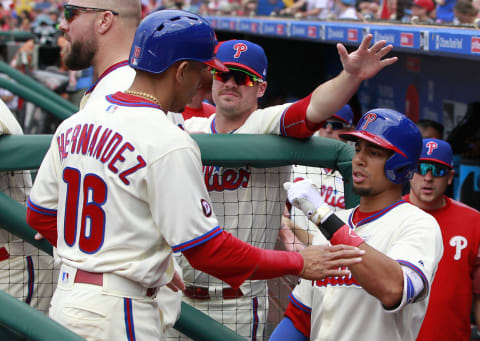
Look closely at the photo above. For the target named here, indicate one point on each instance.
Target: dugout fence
(229, 150)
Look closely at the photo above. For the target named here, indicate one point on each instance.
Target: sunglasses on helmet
(335, 125)
(437, 170)
(70, 11)
(241, 77)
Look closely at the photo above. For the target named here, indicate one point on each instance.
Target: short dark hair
(430, 123)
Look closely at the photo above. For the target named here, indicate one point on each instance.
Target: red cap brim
(216, 64)
(367, 136)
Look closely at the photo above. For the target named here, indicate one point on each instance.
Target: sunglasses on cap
(241, 77)
(335, 125)
(70, 11)
(437, 170)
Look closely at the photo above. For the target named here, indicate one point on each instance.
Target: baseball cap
(427, 4)
(345, 114)
(245, 55)
(438, 151)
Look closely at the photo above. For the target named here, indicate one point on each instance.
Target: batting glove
(305, 196)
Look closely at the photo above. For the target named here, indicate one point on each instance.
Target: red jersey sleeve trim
(300, 318)
(46, 224)
(197, 241)
(294, 121)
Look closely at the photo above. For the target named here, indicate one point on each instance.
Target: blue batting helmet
(168, 36)
(391, 130)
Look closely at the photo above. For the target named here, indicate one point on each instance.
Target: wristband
(335, 230)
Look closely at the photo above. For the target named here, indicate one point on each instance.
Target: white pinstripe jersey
(247, 201)
(112, 176)
(341, 310)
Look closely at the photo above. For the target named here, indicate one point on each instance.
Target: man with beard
(386, 296)
(100, 34)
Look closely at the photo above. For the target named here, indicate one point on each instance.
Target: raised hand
(365, 62)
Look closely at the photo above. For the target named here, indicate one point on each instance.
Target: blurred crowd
(21, 15)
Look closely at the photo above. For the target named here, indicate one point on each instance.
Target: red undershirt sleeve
(294, 120)
(234, 261)
(44, 224)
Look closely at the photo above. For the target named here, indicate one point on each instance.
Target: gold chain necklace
(145, 95)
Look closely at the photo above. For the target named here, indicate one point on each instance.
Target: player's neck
(102, 63)
(226, 122)
(379, 201)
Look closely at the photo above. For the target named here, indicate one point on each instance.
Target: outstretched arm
(233, 261)
(361, 64)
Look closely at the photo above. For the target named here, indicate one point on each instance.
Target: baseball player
(103, 196)
(25, 272)
(448, 314)
(100, 34)
(249, 201)
(296, 230)
(388, 292)
(109, 58)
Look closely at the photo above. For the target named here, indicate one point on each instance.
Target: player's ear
(182, 67)
(105, 21)
(262, 87)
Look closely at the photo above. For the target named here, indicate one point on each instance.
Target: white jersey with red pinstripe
(248, 203)
(99, 177)
(25, 272)
(402, 232)
(119, 77)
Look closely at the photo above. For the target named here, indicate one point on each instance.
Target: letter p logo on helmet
(369, 118)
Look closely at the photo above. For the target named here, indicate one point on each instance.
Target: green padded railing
(27, 152)
(229, 150)
(26, 87)
(15, 35)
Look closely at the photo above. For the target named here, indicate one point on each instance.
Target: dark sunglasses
(335, 125)
(241, 77)
(70, 11)
(437, 170)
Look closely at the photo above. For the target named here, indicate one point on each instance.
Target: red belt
(96, 278)
(199, 293)
(4, 254)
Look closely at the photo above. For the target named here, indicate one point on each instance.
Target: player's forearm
(236, 261)
(379, 275)
(331, 96)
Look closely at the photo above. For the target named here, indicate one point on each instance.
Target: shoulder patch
(207, 209)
